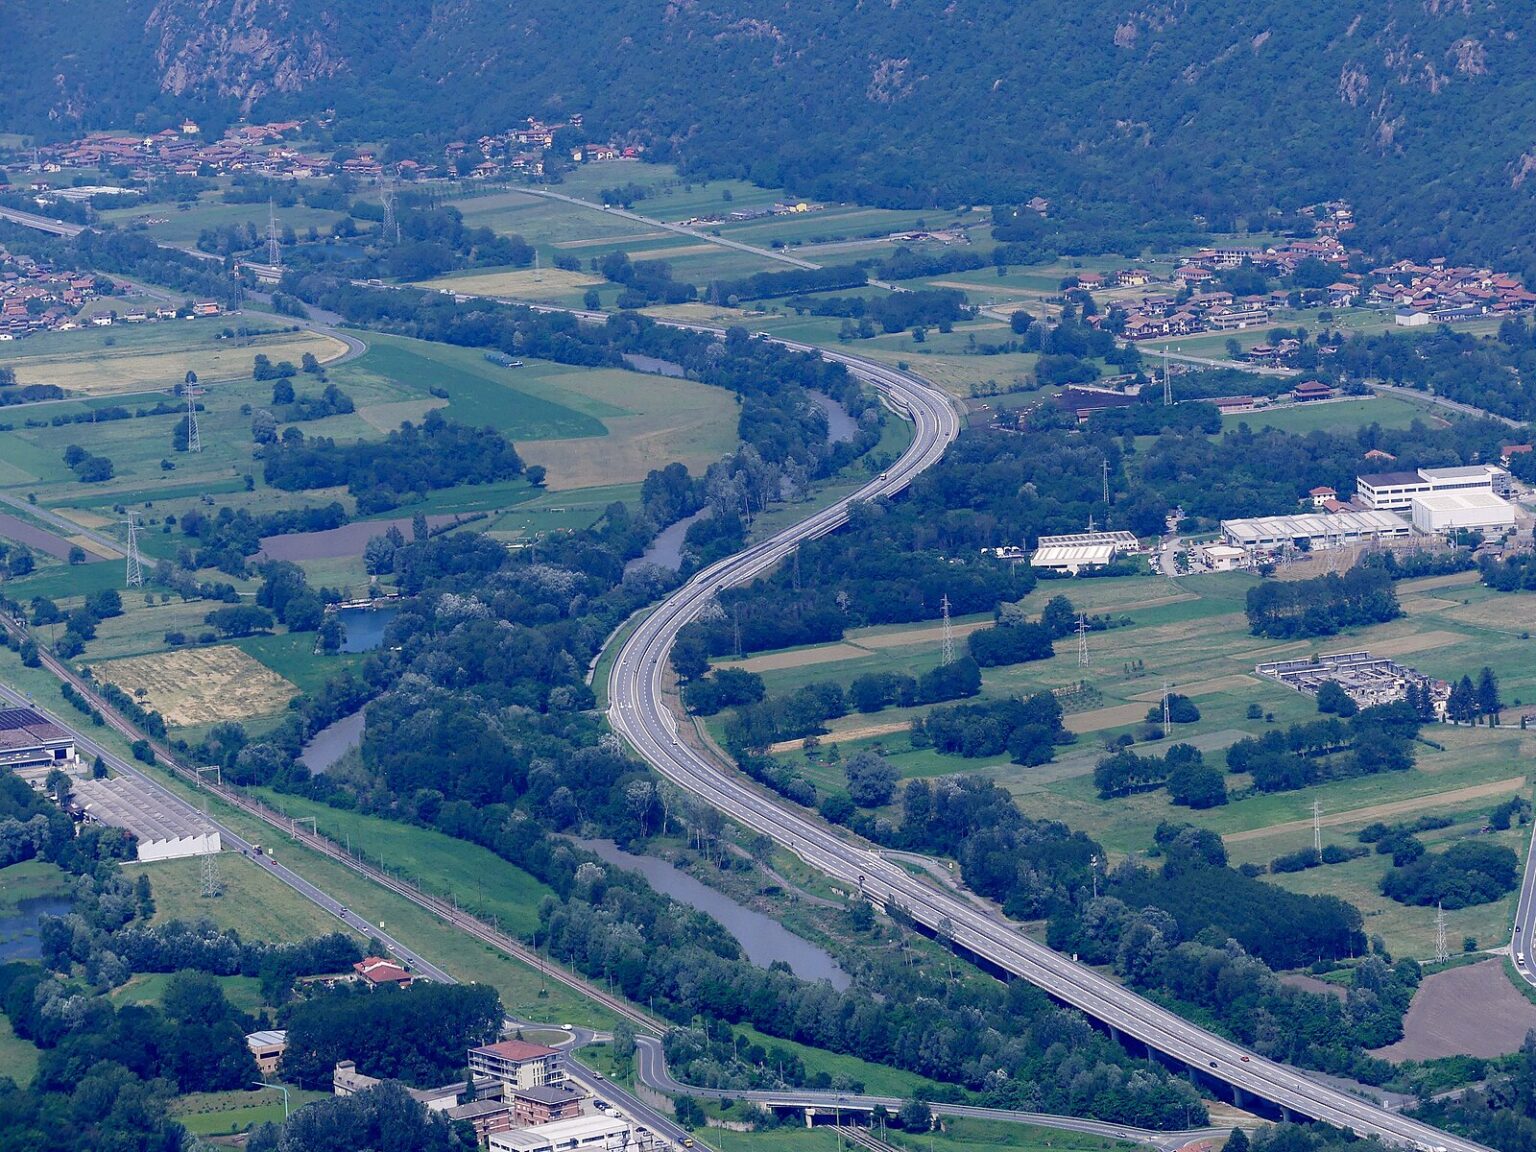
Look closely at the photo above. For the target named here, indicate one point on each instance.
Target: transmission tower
(135, 572)
(1317, 827)
(274, 244)
(1167, 381)
(194, 438)
(947, 654)
(387, 194)
(1167, 711)
(538, 271)
(1082, 640)
(1106, 481)
(1442, 950)
(213, 883)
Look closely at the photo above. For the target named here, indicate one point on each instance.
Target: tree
(1461, 708)
(536, 475)
(1488, 702)
(915, 1116)
(1331, 697)
(591, 300)
(871, 779)
(282, 391)
(1059, 617)
(76, 554)
(1237, 1142)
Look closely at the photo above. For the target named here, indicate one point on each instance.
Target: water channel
(332, 742)
(762, 938)
(841, 427)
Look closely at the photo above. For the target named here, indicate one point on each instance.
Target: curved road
(1525, 916)
(651, 1070)
(637, 712)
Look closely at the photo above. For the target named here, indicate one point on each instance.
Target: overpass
(41, 223)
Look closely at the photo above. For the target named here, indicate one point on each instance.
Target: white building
(1447, 512)
(1313, 531)
(1223, 557)
(599, 1132)
(1082, 550)
(1396, 491)
(166, 829)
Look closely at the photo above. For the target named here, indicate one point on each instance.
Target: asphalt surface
(1525, 917)
(637, 712)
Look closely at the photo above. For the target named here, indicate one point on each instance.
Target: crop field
(522, 283)
(151, 357)
(1193, 635)
(201, 685)
(181, 228)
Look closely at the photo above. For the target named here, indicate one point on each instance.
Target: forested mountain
(1413, 109)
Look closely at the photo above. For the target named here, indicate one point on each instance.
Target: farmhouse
(376, 972)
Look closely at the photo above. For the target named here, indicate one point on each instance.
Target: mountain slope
(1418, 111)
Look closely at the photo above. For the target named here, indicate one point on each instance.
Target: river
(19, 939)
(841, 427)
(333, 742)
(666, 551)
(762, 938)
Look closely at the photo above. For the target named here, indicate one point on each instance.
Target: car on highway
(1213, 1063)
(600, 1105)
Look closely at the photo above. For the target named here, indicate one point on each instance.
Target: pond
(365, 627)
(19, 939)
(762, 938)
(333, 742)
(654, 366)
(841, 427)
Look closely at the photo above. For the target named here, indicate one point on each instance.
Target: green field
(476, 877)
(956, 1134)
(31, 880)
(226, 1113)
(181, 227)
(1388, 411)
(258, 906)
(243, 992)
(18, 1057)
(1193, 634)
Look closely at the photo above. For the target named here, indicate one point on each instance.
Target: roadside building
(1311, 390)
(1223, 557)
(485, 1116)
(601, 1132)
(543, 1103)
(29, 740)
(376, 972)
(1396, 491)
(166, 829)
(267, 1049)
(518, 1064)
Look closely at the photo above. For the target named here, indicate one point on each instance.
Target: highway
(637, 712)
(1525, 916)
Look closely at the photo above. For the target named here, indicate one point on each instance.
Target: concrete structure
(1321, 495)
(30, 741)
(164, 831)
(1081, 550)
(1367, 680)
(1447, 512)
(485, 1116)
(518, 1064)
(1312, 531)
(377, 972)
(1396, 491)
(1223, 557)
(346, 1080)
(602, 1132)
(267, 1049)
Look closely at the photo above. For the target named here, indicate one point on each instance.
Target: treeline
(1373, 740)
(406, 464)
(941, 308)
(1190, 781)
(1513, 573)
(1322, 605)
(1028, 730)
(795, 282)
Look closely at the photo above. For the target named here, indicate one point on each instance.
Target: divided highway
(637, 712)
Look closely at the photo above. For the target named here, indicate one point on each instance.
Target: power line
(135, 572)
(213, 883)
(947, 653)
(194, 437)
(274, 244)
(1167, 711)
(1082, 639)
(1442, 949)
(1167, 381)
(1317, 827)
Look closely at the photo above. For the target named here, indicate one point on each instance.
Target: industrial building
(1223, 557)
(1082, 550)
(30, 742)
(267, 1048)
(1313, 531)
(1446, 512)
(1396, 491)
(601, 1132)
(166, 829)
(1365, 679)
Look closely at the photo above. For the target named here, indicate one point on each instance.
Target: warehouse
(1446, 512)
(166, 828)
(1333, 530)
(1082, 550)
(601, 1132)
(30, 742)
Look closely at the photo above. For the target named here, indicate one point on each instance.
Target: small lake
(654, 366)
(666, 551)
(333, 742)
(365, 627)
(762, 938)
(841, 427)
(19, 939)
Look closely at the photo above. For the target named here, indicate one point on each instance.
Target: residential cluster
(517, 1097)
(263, 149)
(36, 297)
(519, 150)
